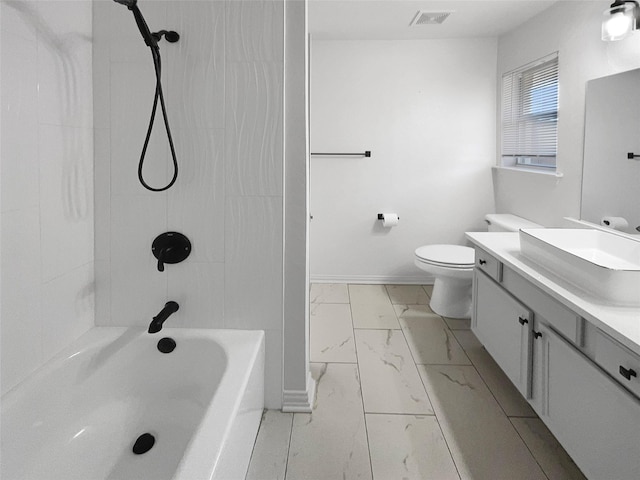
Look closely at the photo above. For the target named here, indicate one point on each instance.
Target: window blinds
(530, 114)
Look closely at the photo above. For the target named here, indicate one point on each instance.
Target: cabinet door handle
(522, 320)
(537, 334)
(482, 262)
(627, 372)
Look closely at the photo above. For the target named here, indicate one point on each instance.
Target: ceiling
(390, 19)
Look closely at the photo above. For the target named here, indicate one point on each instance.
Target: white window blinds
(530, 114)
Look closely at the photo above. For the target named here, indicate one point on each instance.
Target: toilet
(452, 267)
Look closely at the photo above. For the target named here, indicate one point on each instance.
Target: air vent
(429, 18)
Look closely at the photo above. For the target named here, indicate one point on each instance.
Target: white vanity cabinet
(588, 396)
(503, 325)
(595, 419)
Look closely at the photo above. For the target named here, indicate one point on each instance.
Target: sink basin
(604, 264)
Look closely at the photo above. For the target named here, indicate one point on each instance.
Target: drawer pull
(522, 320)
(537, 334)
(482, 262)
(627, 372)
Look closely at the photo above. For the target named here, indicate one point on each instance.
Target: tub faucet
(156, 324)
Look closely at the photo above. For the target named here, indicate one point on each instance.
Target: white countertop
(621, 323)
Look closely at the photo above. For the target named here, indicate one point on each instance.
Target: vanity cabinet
(582, 394)
(594, 419)
(503, 325)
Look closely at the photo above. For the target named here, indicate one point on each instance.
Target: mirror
(611, 180)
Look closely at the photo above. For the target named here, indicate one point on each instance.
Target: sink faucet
(156, 324)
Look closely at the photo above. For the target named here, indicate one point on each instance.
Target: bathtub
(80, 415)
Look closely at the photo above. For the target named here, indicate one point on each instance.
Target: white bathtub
(79, 416)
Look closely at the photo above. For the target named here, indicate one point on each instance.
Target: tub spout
(156, 324)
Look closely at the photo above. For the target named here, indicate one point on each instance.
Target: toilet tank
(505, 222)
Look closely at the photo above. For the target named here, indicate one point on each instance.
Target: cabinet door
(503, 325)
(595, 420)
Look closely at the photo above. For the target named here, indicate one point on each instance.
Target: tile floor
(403, 393)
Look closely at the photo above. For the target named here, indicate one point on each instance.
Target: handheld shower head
(127, 3)
(142, 25)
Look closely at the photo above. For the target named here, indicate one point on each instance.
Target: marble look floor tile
(458, 323)
(331, 442)
(331, 333)
(390, 380)
(269, 458)
(554, 460)
(507, 395)
(407, 294)
(428, 289)
(408, 447)
(371, 307)
(483, 442)
(329, 293)
(429, 339)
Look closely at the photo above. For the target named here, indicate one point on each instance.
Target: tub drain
(144, 443)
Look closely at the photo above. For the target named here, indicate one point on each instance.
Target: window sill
(537, 171)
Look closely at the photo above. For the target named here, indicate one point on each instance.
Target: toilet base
(451, 297)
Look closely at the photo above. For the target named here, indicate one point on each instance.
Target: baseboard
(300, 401)
(374, 279)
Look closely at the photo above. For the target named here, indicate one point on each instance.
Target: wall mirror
(610, 178)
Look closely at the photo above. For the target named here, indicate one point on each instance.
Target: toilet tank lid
(509, 222)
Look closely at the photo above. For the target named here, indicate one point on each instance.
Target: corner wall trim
(299, 401)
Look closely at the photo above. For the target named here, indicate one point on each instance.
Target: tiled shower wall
(223, 83)
(47, 182)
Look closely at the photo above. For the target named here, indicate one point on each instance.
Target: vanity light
(621, 19)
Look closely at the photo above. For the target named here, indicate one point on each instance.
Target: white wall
(224, 90)
(426, 110)
(47, 182)
(573, 29)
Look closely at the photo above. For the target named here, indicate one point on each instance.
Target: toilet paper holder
(381, 216)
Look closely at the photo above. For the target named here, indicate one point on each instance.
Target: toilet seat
(446, 256)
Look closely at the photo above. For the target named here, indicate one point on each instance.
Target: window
(530, 114)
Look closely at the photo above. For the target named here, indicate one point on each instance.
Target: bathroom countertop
(621, 323)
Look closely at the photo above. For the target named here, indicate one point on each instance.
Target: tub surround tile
(254, 31)
(554, 460)
(272, 366)
(331, 442)
(390, 381)
(483, 443)
(329, 293)
(509, 398)
(331, 333)
(429, 339)
(407, 294)
(269, 458)
(408, 447)
(371, 307)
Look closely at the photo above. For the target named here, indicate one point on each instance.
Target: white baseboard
(300, 401)
(374, 279)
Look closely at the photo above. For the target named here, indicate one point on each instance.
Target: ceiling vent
(429, 18)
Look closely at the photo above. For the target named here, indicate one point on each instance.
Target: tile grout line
(528, 449)
(286, 465)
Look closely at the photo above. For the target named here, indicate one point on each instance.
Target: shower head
(142, 25)
(127, 3)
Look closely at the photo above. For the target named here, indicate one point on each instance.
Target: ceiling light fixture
(620, 20)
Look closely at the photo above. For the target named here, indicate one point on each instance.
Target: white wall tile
(253, 263)
(102, 193)
(66, 198)
(138, 290)
(273, 369)
(198, 287)
(21, 296)
(253, 143)
(255, 30)
(68, 309)
(196, 201)
(19, 122)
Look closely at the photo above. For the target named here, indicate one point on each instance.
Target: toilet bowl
(452, 267)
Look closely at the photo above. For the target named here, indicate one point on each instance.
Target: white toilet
(452, 267)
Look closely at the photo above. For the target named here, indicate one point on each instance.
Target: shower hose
(157, 63)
